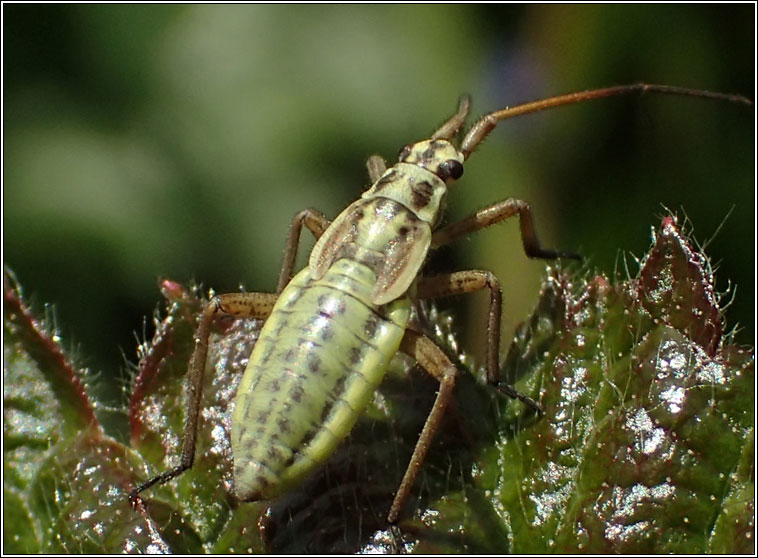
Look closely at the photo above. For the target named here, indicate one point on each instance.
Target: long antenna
(487, 123)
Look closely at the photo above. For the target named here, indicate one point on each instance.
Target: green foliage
(646, 444)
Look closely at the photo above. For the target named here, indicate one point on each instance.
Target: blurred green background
(146, 141)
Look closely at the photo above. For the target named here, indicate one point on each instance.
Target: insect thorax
(415, 181)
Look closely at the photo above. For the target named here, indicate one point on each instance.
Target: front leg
(376, 167)
(494, 214)
(317, 223)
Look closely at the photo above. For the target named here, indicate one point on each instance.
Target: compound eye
(450, 169)
(405, 151)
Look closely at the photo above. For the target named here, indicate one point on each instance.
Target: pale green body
(310, 376)
(333, 331)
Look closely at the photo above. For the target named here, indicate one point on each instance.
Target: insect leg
(494, 214)
(463, 282)
(317, 223)
(376, 167)
(436, 363)
(239, 305)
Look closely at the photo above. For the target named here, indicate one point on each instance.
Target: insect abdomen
(316, 365)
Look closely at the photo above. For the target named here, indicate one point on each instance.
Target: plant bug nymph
(332, 329)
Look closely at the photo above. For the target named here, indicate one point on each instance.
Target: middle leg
(464, 282)
(238, 305)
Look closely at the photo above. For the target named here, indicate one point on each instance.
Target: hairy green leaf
(646, 444)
